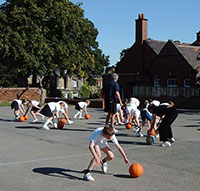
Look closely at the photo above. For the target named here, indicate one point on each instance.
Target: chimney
(198, 36)
(141, 28)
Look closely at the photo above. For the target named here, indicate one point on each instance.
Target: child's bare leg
(109, 154)
(93, 161)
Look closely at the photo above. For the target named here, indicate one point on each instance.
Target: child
(64, 111)
(18, 106)
(81, 106)
(50, 110)
(35, 107)
(168, 114)
(98, 142)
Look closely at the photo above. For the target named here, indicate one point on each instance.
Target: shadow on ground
(58, 172)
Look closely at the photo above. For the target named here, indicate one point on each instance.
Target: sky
(115, 21)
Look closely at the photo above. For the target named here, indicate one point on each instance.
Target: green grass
(5, 104)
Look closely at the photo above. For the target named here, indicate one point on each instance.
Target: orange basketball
(136, 170)
(153, 133)
(21, 119)
(25, 117)
(87, 116)
(63, 120)
(128, 126)
(60, 125)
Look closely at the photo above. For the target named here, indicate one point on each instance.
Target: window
(172, 87)
(156, 90)
(187, 87)
(75, 83)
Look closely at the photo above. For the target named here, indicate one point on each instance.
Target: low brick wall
(95, 103)
(9, 94)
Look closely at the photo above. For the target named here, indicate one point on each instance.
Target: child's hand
(127, 161)
(98, 161)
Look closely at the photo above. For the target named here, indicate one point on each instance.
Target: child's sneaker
(139, 134)
(136, 129)
(166, 144)
(69, 122)
(45, 127)
(121, 123)
(88, 177)
(115, 130)
(35, 120)
(104, 167)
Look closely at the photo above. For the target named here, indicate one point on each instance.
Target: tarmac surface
(32, 159)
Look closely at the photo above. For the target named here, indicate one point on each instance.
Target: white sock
(47, 122)
(77, 114)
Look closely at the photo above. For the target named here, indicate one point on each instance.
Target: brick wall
(9, 94)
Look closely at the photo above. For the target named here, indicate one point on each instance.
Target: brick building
(153, 68)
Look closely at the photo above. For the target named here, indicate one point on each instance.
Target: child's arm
(21, 108)
(123, 154)
(93, 151)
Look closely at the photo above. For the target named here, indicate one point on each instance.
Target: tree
(38, 37)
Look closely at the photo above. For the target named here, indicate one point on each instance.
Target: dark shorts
(110, 105)
(77, 107)
(14, 105)
(35, 109)
(46, 111)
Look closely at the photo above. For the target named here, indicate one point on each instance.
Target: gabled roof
(190, 53)
(156, 45)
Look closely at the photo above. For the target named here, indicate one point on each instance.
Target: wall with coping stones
(9, 94)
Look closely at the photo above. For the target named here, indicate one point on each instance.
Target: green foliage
(97, 94)
(53, 92)
(85, 90)
(37, 37)
(70, 95)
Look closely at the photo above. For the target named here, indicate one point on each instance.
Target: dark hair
(108, 130)
(151, 107)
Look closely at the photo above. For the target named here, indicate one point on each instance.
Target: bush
(85, 90)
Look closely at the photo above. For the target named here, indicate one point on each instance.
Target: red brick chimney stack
(141, 28)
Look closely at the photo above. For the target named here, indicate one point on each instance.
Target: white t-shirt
(34, 102)
(98, 138)
(18, 101)
(135, 101)
(156, 102)
(82, 104)
(54, 106)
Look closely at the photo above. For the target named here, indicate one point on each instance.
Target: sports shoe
(136, 129)
(55, 125)
(171, 140)
(88, 177)
(45, 127)
(116, 123)
(104, 167)
(80, 117)
(69, 122)
(166, 144)
(139, 134)
(121, 123)
(115, 130)
(34, 120)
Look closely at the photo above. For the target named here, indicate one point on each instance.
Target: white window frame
(172, 87)
(75, 83)
(156, 89)
(187, 87)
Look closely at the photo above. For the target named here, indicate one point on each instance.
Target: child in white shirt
(81, 106)
(98, 142)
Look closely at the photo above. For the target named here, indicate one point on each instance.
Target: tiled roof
(190, 53)
(156, 45)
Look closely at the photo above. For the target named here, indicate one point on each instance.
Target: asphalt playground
(32, 159)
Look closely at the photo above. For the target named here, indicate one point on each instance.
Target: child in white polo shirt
(81, 106)
(98, 142)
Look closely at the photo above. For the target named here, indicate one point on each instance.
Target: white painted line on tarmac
(56, 158)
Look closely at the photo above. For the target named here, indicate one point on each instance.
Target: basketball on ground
(21, 119)
(63, 120)
(60, 125)
(128, 126)
(87, 116)
(150, 139)
(136, 170)
(25, 117)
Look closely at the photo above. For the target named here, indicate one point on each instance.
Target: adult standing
(112, 95)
